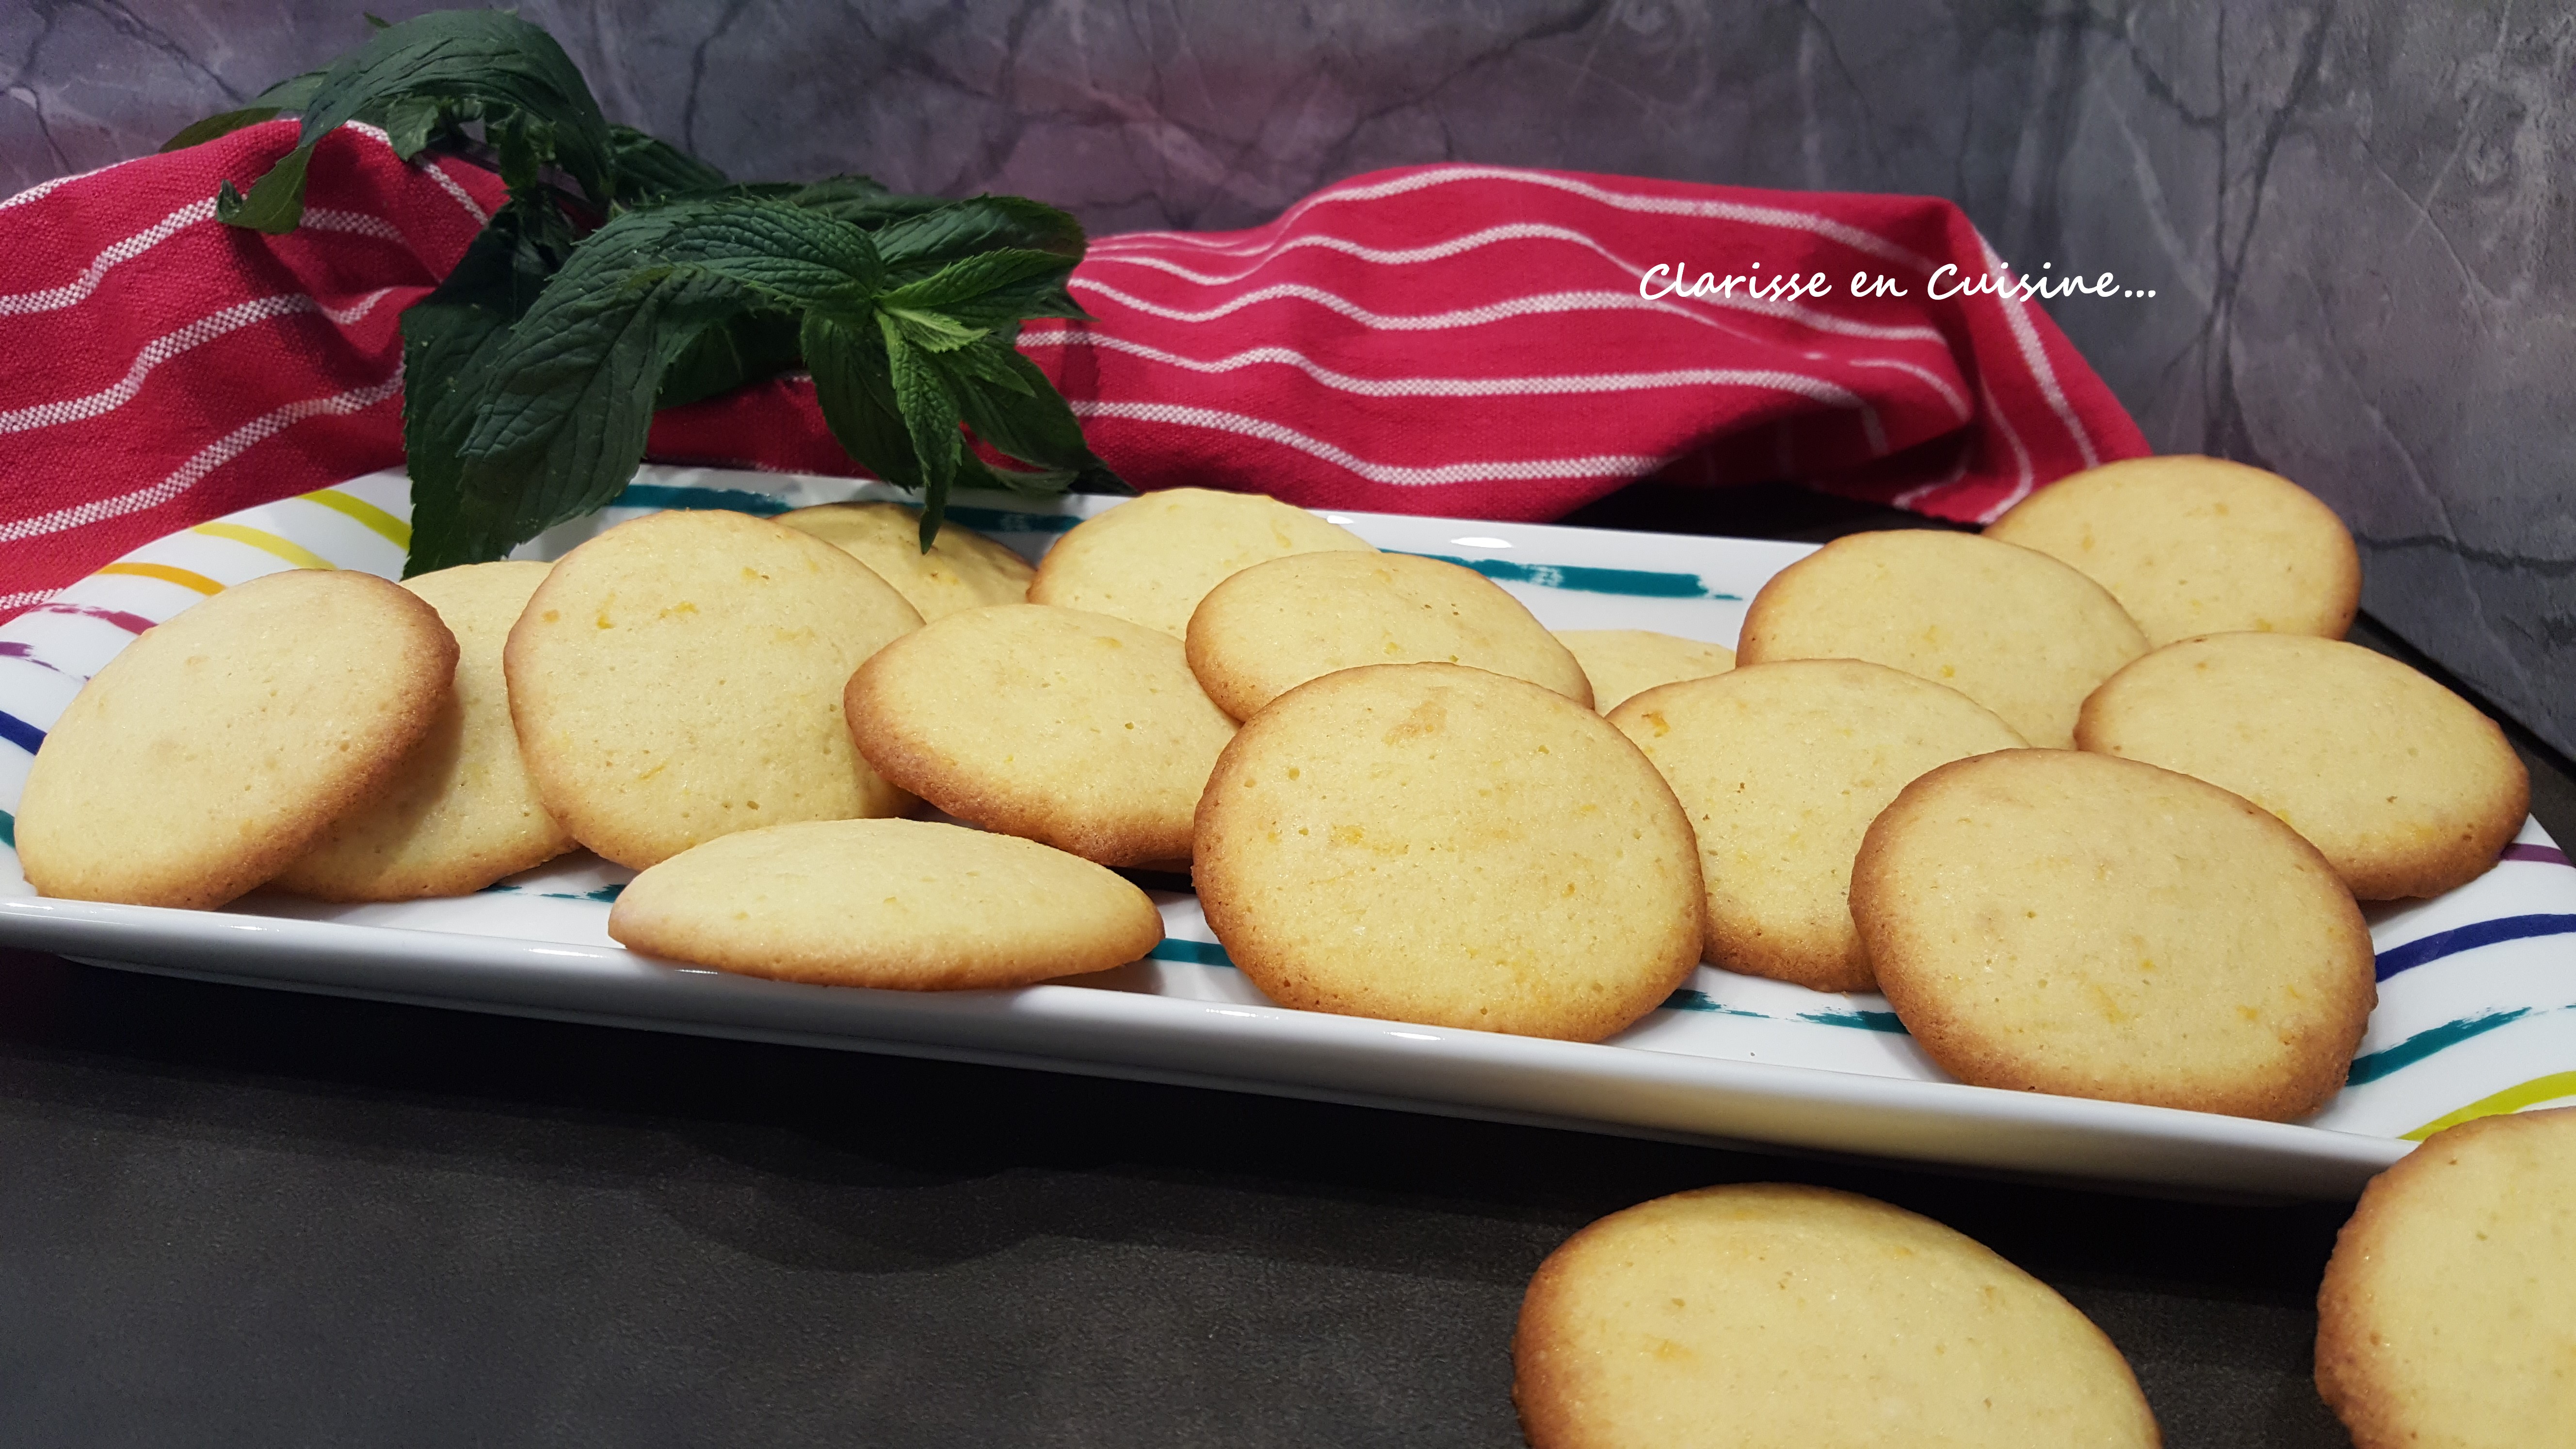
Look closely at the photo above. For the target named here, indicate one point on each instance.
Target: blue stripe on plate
(20, 733)
(664, 495)
(2374, 1065)
(2468, 938)
(1628, 583)
(1203, 953)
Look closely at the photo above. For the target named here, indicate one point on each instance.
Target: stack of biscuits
(2091, 798)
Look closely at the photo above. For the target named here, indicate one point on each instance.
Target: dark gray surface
(235, 1216)
(2355, 213)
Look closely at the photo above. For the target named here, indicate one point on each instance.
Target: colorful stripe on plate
(2512, 1099)
(2468, 938)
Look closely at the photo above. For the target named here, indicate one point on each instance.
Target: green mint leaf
(276, 200)
(223, 123)
(293, 93)
(972, 278)
(745, 349)
(567, 400)
(861, 202)
(790, 257)
(919, 246)
(410, 121)
(1030, 421)
(988, 363)
(929, 331)
(854, 383)
(647, 168)
(449, 339)
(289, 95)
(484, 55)
(930, 417)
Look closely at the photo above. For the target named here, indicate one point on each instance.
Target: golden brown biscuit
(1079, 730)
(219, 745)
(2446, 1316)
(1787, 1316)
(1782, 767)
(1152, 559)
(2197, 546)
(1622, 663)
(905, 904)
(2405, 786)
(2054, 921)
(461, 812)
(1437, 844)
(679, 677)
(962, 570)
(2012, 629)
(1276, 625)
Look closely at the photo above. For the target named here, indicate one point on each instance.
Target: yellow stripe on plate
(384, 525)
(267, 542)
(2511, 1099)
(184, 578)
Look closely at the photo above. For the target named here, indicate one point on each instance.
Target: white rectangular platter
(2477, 1006)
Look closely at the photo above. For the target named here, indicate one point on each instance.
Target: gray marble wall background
(2360, 218)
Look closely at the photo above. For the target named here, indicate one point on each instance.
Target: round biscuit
(1276, 625)
(1782, 767)
(2194, 545)
(1151, 559)
(218, 745)
(2446, 1316)
(1621, 663)
(1081, 730)
(2407, 788)
(962, 570)
(461, 812)
(2053, 921)
(2011, 628)
(1432, 843)
(1782, 1315)
(906, 904)
(679, 677)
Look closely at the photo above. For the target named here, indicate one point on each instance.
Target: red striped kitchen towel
(1474, 341)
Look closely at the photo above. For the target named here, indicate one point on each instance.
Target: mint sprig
(625, 275)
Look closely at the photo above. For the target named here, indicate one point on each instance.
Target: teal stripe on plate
(1689, 1000)
(1006, 520)
(606, 895)
(8, 830)
(665, 495)
(2373, 1066)
(1576, 578)
(1865, 1020)
(1203, 953)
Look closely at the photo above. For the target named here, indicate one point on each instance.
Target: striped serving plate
(2477, 1010)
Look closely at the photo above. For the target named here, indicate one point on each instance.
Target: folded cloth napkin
(1474, 341)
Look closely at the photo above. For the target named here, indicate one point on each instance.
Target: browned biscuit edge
(1954, 1046)
(912, 765)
